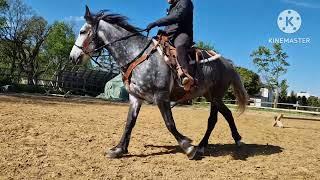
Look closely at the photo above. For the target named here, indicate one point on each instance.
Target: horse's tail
(239, 91)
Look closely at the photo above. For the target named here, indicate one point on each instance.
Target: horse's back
(218, 76)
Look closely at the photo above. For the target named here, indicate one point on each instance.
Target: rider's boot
(182, 56)
(186, 80)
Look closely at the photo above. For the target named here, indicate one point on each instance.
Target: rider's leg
(182, 44)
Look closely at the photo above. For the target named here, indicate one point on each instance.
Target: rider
(179, 28)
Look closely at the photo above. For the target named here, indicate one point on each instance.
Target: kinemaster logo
(290, 22)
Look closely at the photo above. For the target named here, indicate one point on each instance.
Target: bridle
(95, 38)
(128, 68)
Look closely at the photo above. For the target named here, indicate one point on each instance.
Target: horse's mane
(116, 19)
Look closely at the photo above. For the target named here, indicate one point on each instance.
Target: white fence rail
(269, 106)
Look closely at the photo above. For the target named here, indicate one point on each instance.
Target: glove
(151, 25)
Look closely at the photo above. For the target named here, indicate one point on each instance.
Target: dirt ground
(53, 139)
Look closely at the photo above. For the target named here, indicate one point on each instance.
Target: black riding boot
(182, 57)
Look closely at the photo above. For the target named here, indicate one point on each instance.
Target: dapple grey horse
(153, 80)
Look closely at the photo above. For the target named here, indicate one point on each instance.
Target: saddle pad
(213, 58)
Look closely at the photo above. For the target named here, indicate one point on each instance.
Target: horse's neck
(124, 51)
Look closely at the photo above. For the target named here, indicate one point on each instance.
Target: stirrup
(187, 83)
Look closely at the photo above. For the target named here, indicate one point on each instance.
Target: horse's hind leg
(122, 147)
(227, 114)
(184, 142)
(211, 124)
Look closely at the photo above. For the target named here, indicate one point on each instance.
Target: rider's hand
(151, 25)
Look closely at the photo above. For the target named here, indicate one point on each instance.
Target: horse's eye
(82, 32)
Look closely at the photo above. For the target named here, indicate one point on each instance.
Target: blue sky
(234, 27)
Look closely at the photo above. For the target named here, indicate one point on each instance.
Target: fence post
(297, 105)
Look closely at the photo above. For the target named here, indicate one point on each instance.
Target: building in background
(263, 99)
(305, 94)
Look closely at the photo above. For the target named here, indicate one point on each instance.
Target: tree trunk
(12, 69)
(30, 79)
(276, 98)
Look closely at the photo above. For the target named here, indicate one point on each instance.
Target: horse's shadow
(243, 152)
(217, 150)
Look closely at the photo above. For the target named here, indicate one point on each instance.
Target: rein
(121, 39)
(127, 69)
(118, 40)
(105, 45)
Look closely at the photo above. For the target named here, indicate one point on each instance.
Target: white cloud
(74, 18)
(303, 3)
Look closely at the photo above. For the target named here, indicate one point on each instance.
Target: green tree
(31, 62)
(272, 64)
(304, 101)
(3, 6)
(22, 39)
(250, 79)
(283, 91)
(314, 101)
(57, 47)
(206, 46)
(292, 98)
(12, 33)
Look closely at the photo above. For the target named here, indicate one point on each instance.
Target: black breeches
(182, 43)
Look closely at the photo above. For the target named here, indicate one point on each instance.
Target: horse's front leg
(122, 147)
(184, 142)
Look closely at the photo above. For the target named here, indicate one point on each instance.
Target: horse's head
(88, 40)
(105, 30)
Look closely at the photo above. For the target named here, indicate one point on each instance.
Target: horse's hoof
(193, 153)
(240, 143)
(185, 145)
(116, 153)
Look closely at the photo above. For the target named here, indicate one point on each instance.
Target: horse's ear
(87, 15)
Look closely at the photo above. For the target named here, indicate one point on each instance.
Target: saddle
(196, 56)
